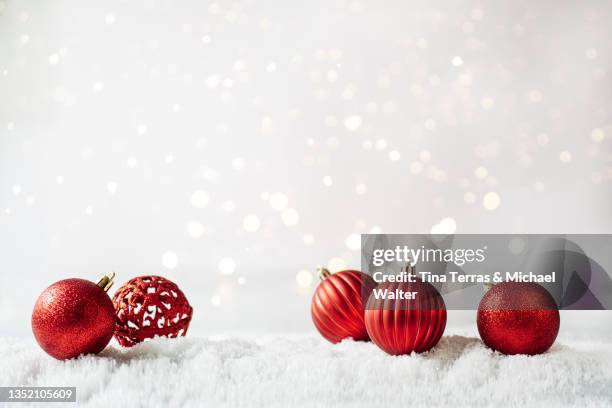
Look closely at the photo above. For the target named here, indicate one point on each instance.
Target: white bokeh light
(98, 87)
(353, 242)
(278, 201)
(170, 259)
(54, 59)
(112, 187)
(238, 163)
(535, 96)
(375, 230)
(469, 197)
(416, 167)
(304, 278)
(336, 264)
(425, 156)
(491, 200)
(132, 162)
(199, 199)
(481, 173)
(353, 123)
(229, 206)
(445, 226)
(597, 135)
(227, 266)
(195, 229)
(110, 19)
(308, 239)
(142, 129)
(565, 156)
(290, 217)
(251, 223)
(430, 124)
(381, 144)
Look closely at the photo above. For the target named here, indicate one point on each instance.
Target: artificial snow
(310, 372)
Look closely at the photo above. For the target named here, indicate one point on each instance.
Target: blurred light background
(233, 146)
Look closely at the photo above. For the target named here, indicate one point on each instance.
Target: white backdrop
(233, 146)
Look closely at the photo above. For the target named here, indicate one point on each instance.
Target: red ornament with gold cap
(74, 317)
(338, 304)
(403, 324)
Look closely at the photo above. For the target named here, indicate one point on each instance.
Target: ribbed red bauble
(337, 305)
(401, 326)
(518, 318)
(150, 306)
(74, 317)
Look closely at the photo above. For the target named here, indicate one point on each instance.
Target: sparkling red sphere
(150, 306)
(518, 318)
(401, 326)
(73, 317)
(338, 305)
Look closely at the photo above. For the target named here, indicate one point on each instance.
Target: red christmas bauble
(518, 318)
(401, 326)
(150, 306)
(73, 317)
(337, 305)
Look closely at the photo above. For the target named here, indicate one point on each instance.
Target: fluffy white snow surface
(310, 372)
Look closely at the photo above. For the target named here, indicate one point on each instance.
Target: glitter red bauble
(150, 306)
(337, 305)
(518, 318)
(73, 317)
(401, 326)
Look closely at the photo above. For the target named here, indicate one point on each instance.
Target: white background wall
(363, 115)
